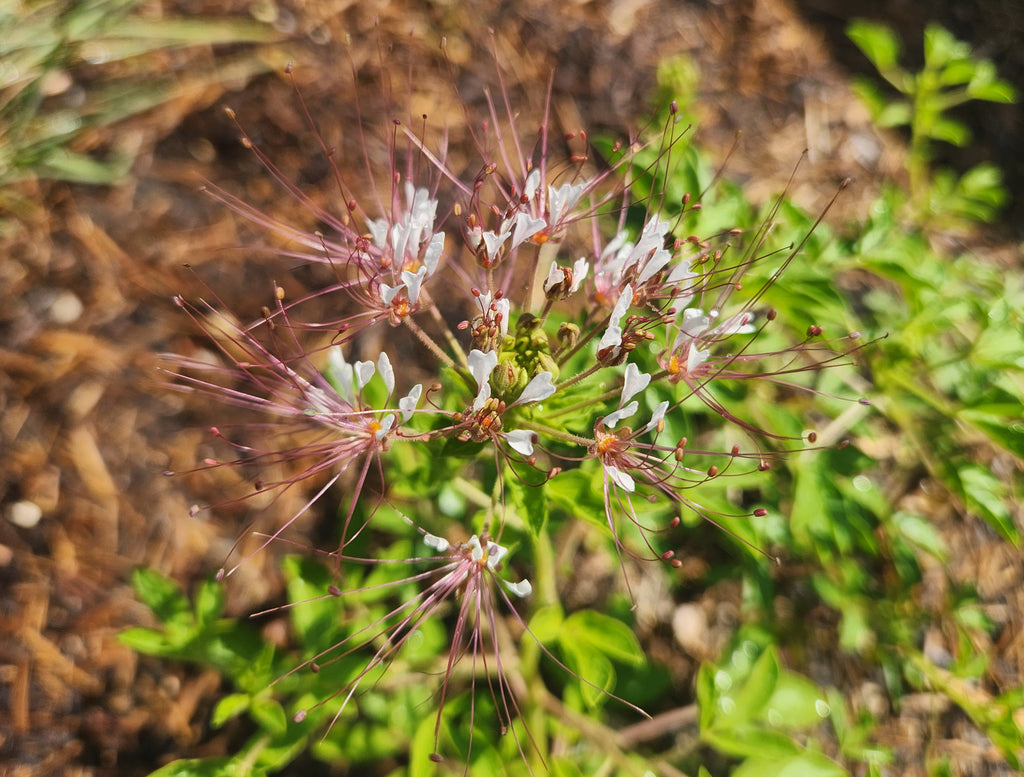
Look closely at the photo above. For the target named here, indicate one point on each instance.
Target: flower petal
(623, 412)
(521, 441)
(440, 544)
(634, 382)
(386, 372)
(620, 478)
(364, 371)
(408, 403)
(522, 589)
(657, 415)
(537, 390)
(433, 252)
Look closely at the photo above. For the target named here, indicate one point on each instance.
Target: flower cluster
(533, 330)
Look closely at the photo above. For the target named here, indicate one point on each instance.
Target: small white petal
(399, 240)
(532, 183)
(555, 275)
(386, 372)
(340, 372)
(525, 227)
(613, 335)
(579, 272)
(408, 403)
(634, 382)
(681, 272)
(521, 441)
(477, 552)
(413, 282)
(493, 243)
(620, 478)
(562, 200)
(537, 390)
(387, 293)
(386, 423)
(433, 252)
(504, 307)
(623, 412)
(378, 231)
(658, 259)
(440, 544)
(481, 365)
(482, 396)
(495, 553)
(364, 371)
(659, 413)
(737, 325)
(522, 589)
(694, 322)
(696, 357)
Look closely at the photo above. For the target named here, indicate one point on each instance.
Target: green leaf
(231, 706)
(209, 602)
(801, 765)
(1005, 432)
(894, 114)
(148, 641)
(877, 41)
(605, 634)
(269, 715)
(596, 673)
(204, 767)
(752, 696)
(750, 740)
(951, 131)
(986, 495)
(546, 623)
(996, 92)
(162, 596)
(940, 47)
(314, 614)
(920, 532)
(796, 703)
(529, 499)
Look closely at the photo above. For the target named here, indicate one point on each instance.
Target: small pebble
(66, 308)
(25, 514)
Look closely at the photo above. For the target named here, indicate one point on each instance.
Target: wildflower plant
(552, 368)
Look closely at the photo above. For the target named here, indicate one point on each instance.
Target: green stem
(545, 594)
(557, 434)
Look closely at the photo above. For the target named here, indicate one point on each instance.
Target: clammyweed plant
(947, 382)
(569, 371)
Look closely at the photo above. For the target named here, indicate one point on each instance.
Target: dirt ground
(87, 427)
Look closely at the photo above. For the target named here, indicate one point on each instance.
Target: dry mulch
(87, 428)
